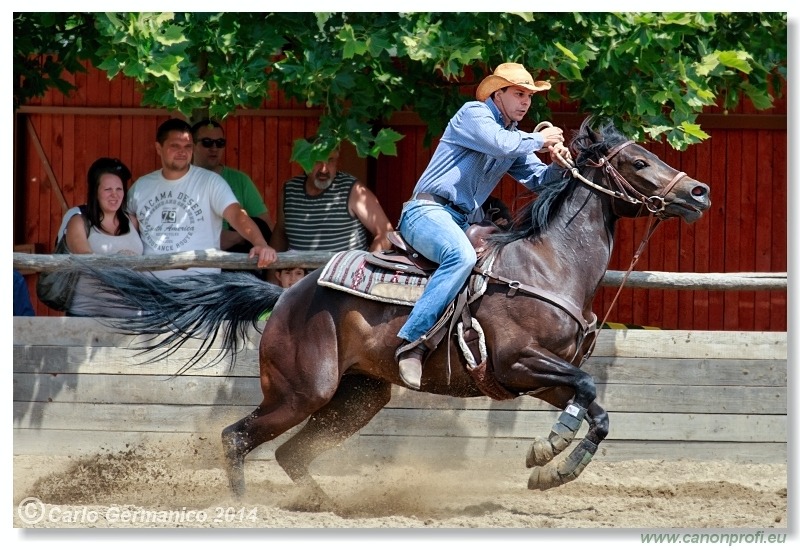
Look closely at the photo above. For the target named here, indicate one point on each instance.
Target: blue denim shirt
(475, 152)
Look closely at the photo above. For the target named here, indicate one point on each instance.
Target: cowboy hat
(509, 74)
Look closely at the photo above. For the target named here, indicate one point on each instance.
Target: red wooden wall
(744, 162)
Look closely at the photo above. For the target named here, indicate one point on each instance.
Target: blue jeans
(438, 233)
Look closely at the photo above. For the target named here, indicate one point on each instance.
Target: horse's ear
(586, 128)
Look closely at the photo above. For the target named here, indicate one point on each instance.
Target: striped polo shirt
(322, 222)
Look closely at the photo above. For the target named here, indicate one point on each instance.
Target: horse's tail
(188, 307)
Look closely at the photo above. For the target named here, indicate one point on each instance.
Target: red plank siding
(745, 230)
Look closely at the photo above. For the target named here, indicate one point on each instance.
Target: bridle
(618, 186)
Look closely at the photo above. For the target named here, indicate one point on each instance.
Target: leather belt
(439, 200)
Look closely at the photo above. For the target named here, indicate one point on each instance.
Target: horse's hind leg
(274, 416)
(567, 469)
(357, 400)
(235, 446)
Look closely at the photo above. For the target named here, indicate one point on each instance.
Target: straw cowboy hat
(509, 74)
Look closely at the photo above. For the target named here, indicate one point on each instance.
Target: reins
(655, 204)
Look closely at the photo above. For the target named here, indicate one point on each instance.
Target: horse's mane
(558, 184)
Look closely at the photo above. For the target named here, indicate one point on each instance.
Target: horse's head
(640, 182)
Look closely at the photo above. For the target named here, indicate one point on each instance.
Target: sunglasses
(208, 143)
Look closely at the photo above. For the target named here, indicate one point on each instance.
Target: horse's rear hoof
(234, 463)
(539, 453)
(307, 496)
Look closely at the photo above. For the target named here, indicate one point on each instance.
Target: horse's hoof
(543, 478)
(307, 496)
(539, 453)
(234, 463)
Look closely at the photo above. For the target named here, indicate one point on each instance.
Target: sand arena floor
(148, 487)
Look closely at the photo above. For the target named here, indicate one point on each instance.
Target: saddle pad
(350, 272)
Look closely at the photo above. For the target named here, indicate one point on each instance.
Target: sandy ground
(145, 487)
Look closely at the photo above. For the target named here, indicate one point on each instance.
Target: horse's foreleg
(560, 380)
(563, 432)
(569, 468)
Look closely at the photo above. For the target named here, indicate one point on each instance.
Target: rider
(479, 146)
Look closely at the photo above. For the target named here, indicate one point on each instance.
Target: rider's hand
(560, 155)
(552, 136)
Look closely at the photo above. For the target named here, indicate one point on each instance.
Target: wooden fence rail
(229, 260)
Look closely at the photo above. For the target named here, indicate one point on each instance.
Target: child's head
(289, 276)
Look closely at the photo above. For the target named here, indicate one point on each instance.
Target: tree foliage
(651, 73)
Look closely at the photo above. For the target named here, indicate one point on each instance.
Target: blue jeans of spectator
(438, 232)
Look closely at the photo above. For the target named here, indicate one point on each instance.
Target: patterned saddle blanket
(351, 272)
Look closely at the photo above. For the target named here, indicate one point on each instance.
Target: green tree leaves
(652, 73)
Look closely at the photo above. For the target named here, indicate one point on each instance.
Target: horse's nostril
(699, 191)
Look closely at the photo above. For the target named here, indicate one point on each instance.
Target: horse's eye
(639, 164)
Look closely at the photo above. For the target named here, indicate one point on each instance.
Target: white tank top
(88, 300)
(129, 244)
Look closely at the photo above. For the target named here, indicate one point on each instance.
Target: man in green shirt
(209, 148)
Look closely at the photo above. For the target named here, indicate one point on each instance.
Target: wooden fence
(34, 263)
(80, 390)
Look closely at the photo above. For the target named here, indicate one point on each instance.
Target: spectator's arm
(238, 219)
(134, 222)
(365, 206)
(77, 240)
(278, 241)
(267, 220)
(229, 238)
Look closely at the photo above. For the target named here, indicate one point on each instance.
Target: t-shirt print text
(169, 222)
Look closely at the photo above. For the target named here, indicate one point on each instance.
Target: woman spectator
(104, 228)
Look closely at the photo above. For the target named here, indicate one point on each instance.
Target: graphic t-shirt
(180, 215)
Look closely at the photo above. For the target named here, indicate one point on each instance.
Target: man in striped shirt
(479, 146)
(328, 210)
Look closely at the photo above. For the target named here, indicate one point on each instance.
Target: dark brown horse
(327, 356)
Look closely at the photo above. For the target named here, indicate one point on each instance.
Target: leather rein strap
(572, 309)
(618, 186)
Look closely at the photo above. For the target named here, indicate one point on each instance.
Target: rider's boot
(410, 359)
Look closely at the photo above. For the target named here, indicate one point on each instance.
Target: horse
(327, 357)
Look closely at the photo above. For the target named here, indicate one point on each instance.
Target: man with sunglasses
(209, 150)
(181, 207)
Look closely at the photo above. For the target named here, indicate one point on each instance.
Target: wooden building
(745, 162)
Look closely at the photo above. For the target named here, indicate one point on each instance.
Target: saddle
(457, 319)
(404, 258)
